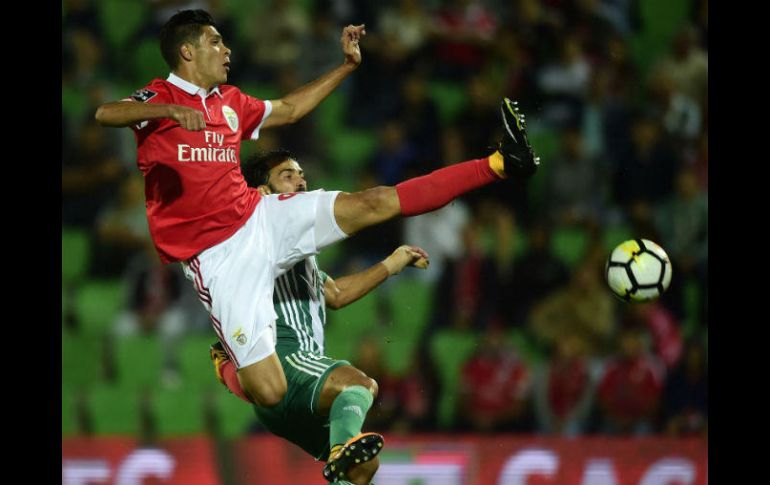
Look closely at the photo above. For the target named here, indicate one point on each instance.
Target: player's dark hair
(184, 26)
(256, 169)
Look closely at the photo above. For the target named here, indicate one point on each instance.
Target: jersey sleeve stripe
(268, 109)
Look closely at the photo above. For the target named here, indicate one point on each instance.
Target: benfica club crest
(231, 117)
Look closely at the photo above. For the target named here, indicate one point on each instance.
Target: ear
(185, 50)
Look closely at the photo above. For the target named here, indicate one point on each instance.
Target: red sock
(435, 190)
(230, 375)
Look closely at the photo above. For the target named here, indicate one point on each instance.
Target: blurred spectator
(685, 396)
(648, 171)
(319, 45)
(91, 174)
(564, 83)
(481, 117)
(630, 389)
(661, 325)
(122, 229)
(81, 15)
(463, 31)
(419, 116)
(463, 284)
(564, 390)
(394, 156)
(416, 397)
(495, 391)
(156, 306)
(386, 405)
(681, 115)
(682, 221)
(404, 27)
(536, 274)
(275, 39)
(440, 234)
(575, 185)
(624, 15)
(584, 309)
(687, 65)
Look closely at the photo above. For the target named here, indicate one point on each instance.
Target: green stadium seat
(178, 412)
(260, 90)
(410, 303)
(234, 417)
(614, 235)
(194, 362)
(692, 298)
(350, 150)
(81, 360)
(330, 114)
(569, 244)
(74, 102)
(139, 361)
(97, 304)
(450, 349)
(114, 410)
(450, 99)
(69, 418)
(546, 146)
(347, 326)
(525, 347)
(660, 19)
(148, 62)
(121, 20)
(75, 255)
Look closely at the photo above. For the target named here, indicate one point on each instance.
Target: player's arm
(300, 102)
(346, 290)
(127, 113)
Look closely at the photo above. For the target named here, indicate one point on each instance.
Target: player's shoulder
(156, 87)
(231, 90)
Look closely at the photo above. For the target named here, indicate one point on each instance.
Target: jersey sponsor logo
(144, 95)
(288, 195)
(231, 117)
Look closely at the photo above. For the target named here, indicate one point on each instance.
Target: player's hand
(406, 256)
(351, 35)
(189, 118)
(264, 190)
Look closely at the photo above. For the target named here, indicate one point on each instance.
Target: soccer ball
(638, 270)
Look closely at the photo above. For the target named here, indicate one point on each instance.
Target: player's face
(287, 177)
(212, 57)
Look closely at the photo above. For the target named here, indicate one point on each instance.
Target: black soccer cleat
(358, 449)
(519, 158)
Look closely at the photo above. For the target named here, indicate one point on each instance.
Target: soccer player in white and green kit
(326, 400)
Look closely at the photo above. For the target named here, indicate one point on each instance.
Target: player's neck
(193, 77)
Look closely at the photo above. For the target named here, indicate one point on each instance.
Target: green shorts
(296, 418)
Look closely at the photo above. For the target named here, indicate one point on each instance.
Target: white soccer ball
(638, 270)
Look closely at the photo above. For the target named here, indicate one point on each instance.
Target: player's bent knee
(373, 387)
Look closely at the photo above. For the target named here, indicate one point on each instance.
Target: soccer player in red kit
(233, 242)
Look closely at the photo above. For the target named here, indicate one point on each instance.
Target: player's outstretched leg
(513, 158)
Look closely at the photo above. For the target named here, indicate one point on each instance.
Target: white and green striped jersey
(301, 307)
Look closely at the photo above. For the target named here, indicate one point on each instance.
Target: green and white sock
(348, 413)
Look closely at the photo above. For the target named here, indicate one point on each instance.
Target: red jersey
(196, 196)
